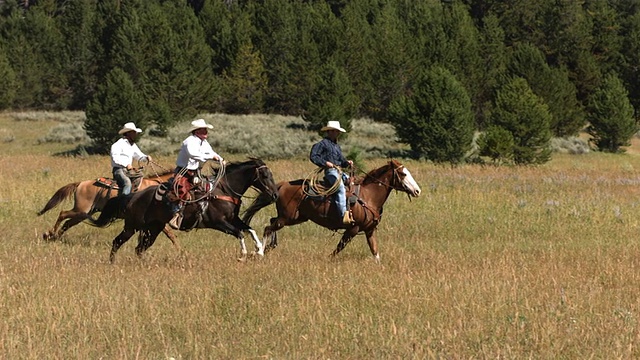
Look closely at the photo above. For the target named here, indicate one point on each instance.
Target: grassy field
(498, 263)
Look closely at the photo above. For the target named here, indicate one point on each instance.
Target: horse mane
(374, 175)
(252, 160)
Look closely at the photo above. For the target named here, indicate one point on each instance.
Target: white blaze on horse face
(409, 183)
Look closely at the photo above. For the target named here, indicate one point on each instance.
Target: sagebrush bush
(68, 133)
(569, 145)
(6, 136)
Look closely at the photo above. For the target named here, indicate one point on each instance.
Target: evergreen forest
(518, 72)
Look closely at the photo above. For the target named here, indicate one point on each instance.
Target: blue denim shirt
(327, 150)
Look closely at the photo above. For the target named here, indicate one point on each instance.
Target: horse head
(402, 180)
(252, 173)
(263, 180)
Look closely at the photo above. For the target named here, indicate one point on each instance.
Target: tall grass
(489, 262)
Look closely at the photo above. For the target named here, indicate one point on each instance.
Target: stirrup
(176, 221)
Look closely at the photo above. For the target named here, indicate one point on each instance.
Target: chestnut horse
(370, 192)
(147, 211)
(89, 197)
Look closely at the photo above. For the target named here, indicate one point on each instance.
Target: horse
(89, 197)
(366, 195)
(216, 208)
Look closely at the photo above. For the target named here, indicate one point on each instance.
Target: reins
(155, 171)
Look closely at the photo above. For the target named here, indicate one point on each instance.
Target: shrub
(436, 119)
(610, 115)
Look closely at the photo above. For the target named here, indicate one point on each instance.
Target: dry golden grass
(488, 263)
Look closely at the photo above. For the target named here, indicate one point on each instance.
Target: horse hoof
(243, 258)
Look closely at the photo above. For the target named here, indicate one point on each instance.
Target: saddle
(110, 183)
(352, 193)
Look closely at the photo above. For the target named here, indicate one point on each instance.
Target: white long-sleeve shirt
(123, 153)
(195, 151)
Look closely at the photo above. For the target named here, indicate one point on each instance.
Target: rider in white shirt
(123, 152)
(195, 150)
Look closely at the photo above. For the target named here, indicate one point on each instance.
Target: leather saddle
(109, 183)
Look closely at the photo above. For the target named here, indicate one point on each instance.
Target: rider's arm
(137, 153)
(201, 150)
(317, 154)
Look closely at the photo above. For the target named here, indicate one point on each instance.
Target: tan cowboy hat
(333, 125)
(199, 124)
(129, 127)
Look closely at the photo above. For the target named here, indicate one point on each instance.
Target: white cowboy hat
(129, 127)
(333, 125)
(199, 124)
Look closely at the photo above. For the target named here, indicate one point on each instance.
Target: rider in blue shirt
(327, 154)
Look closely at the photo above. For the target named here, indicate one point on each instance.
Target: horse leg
(53, 233)
(147, 238)
(270, 234)
(243, 227)
(119, 240)
(277, 223)
(167, 231)
(373, 244)
(73, 218)
(73, 221)
(258, 244)
(346, 238)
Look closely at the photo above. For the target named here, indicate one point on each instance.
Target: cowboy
(123, 152)
(195, 150)
(327, 154)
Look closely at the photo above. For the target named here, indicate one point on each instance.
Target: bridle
(395, 178)
(257, 177)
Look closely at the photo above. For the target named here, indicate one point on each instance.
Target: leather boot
(346, 219)
(176, 221)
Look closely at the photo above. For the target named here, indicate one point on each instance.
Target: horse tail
(263, 200)
(60, 195)
(111, 211)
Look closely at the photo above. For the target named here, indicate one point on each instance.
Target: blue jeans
(124, 183)
(340, 197)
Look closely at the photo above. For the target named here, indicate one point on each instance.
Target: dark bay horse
(372, 190)
(89, 197)
(147, 212)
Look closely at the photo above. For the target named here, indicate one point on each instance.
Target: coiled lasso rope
(314, 180)
(213, 182)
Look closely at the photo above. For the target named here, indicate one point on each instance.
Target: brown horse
(369, 192)
(147, 212)
(89, 197)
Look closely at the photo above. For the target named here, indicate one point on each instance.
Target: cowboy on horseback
(195, 150)
(123, 152)
(327, 154)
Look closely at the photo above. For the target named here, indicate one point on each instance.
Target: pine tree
(436, 119)
(610, 116)
(173, 75)
(552, 85)
(8, 84)
(75, 22)
(332, 99)
(245, 83)
(522, 113)
(115, 103)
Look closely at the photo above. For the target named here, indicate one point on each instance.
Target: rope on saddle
(314, 178)
(213, 182)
